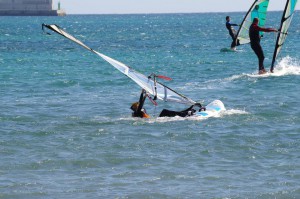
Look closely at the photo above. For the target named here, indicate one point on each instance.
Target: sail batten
(154, 88)
(257, 10)
(286, 20)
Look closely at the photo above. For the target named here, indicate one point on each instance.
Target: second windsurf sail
(284, 26)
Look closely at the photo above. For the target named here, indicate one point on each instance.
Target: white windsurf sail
(284, 26)
(154, 88)
(257, 10)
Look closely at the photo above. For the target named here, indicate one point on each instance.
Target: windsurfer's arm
(228, 24)
(142, 100)
(189, 109)
(265, 29)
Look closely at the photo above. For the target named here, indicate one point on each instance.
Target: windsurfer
(137, 107)
(232, 33)
(255, 43)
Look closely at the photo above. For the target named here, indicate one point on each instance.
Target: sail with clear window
(257, 10)
(149, 83)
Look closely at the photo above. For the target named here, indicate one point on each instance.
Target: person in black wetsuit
(232, 33)
(137, 107)
(255, 43)
(185, 113)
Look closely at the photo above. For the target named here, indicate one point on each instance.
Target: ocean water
(66, 129)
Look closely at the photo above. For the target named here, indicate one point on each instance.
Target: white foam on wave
(286, 66)
(155, 119)
(179, 119)
(235, 77)
(234, 112)
(220, 115)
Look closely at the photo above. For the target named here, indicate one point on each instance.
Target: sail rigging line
(162, 92)
(151, 100)
(155, 87)
(283, 29)
(155, 81)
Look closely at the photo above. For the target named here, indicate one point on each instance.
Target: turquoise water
(65, 125)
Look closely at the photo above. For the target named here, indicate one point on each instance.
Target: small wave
(163, 119)
(179, 119)
(286, 66)
(64, 83)
(235, 77)
(158, 119)
(234, 112)
(176, 119)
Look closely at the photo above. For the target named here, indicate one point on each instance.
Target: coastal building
(29, 8)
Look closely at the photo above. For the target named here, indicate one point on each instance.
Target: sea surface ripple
(66, 129)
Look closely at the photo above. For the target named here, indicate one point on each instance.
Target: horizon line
(137, 13)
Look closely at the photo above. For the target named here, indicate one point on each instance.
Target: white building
(26, 5)
(28, 8)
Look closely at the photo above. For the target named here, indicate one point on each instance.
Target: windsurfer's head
(255, 20)
(227, 18)
(135, 106)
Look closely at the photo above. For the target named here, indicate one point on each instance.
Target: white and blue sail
(286, 20)
(257, 10)
(154, 88)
